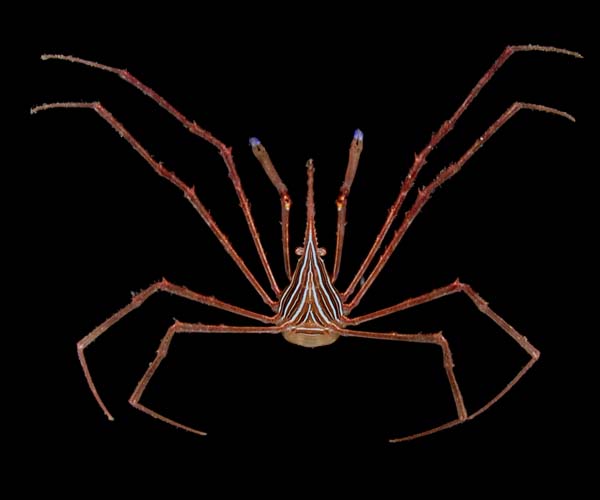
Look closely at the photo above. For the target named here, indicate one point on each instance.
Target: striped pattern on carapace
(310, 308)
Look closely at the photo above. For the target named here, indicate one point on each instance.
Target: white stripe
(319, 300)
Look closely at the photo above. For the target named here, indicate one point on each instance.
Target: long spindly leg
(195, 129)
(425, 193)
(482, 305)
(286, 202)
(136, 301)
(188, 191)
(178, 327)
(342, 200)
(424, 338)
(421, 158)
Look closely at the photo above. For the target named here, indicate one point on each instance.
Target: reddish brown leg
(425, 193)
(342, 200)
(286, 202)
(438, 293)
(163, 349)
(421, 158)
(195, 129)
(423, 338)
(188, 191)
(137, 301)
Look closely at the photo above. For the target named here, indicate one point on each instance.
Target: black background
(105, 225)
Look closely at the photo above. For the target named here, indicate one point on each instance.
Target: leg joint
(460, 286)
(440, 340)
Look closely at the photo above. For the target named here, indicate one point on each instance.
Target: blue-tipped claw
(254, 142)
(358, 135)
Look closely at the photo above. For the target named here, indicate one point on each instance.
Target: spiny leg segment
(136, 301)
(163, 349)
(421, 159)
(438, 293)
(164, 285)
(422, 197)
(425, 193)
(188, 191)
(195, 129)
(422, 338)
